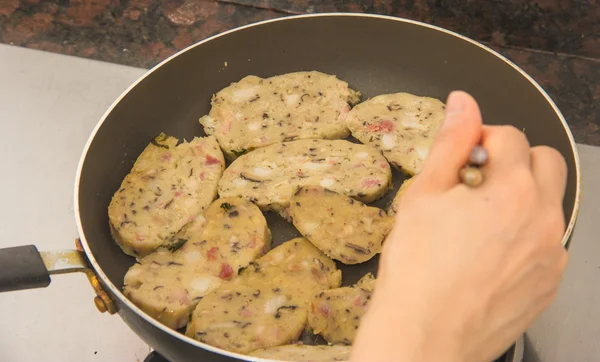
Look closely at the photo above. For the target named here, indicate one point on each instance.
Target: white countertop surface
(569, 331)
(49, 104)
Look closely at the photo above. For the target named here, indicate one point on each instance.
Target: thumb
(460, 132)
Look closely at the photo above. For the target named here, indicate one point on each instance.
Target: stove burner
(155, 357)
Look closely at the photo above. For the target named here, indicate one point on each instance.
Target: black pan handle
(22, 267)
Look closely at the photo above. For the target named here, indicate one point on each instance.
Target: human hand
(465, 271)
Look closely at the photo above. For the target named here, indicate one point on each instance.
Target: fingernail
(456, 104)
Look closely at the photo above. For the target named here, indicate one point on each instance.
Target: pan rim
(117, 292)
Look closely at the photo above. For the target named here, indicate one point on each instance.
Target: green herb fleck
(158, 141)
(175, 244)
(237, 153)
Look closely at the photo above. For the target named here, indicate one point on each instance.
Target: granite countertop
(556, 41)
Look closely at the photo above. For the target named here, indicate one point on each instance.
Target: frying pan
(374, 54)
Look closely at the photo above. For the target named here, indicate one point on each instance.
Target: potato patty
(269, 176)
(343, 228)
(267, 304)
(336, 313)
(401, 125)
(256, 112)
(393, 208)
(167, 187)
(168, 285)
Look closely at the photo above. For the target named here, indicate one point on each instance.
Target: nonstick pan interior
(374, 54)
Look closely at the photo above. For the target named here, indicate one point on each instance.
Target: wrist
(395, 330)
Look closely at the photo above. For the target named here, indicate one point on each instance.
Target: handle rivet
(100, 305)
